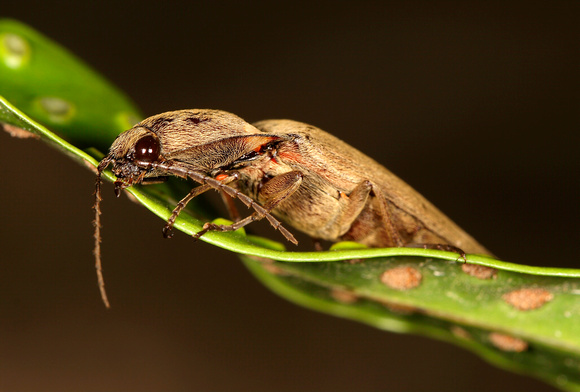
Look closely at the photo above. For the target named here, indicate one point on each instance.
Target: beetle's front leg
(168, 228)
(272, 193)
(198, 190)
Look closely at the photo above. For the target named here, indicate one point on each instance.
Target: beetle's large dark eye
(147, 149)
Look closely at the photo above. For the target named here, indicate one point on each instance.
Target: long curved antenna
(97, 223)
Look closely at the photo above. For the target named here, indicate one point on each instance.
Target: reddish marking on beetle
(291, 156)
(221, 177)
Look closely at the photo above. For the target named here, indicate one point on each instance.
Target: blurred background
(473, 104)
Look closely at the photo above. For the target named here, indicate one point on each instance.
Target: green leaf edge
(239, 243)
(257, 246)
(347, 311)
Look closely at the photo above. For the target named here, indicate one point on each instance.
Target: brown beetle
(294, 171)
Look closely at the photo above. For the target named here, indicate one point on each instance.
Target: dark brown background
(474, 104)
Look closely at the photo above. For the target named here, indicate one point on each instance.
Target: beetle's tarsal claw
(119, 186)
(167, 231)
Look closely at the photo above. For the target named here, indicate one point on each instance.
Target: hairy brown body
(306, 177)
(335, 170)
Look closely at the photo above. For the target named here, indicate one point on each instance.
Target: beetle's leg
(352, 205)
(208, 226)
(168, 228)
(277, 189)
(230, 206)
(361, 193)
(386, 213)
(447, 248)
(154, 180)
(181, 171)
(386, 205)
(198, 190)
(317, 245)
(355, 203)
(274, 192)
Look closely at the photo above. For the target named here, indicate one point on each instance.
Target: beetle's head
(181, 143)
(166, 137)
(129, 153)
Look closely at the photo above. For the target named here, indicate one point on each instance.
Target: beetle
(285, 171)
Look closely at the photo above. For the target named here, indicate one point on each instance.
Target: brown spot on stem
(507, 342)
(460, 332)
(269, 265)
(272, 267)
(401, 278)
(343, 296)
(260, 259)
(400, 308)
(18, 132)
(479, 271)
(528, 299)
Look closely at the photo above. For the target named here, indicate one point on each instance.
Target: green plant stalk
(552, 365)
(448, 304)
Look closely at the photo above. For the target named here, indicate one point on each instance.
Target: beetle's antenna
(97, 250)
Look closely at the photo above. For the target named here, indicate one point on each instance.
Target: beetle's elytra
(285, 171)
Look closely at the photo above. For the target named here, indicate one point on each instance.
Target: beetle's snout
(127, 174)
(126, 170)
